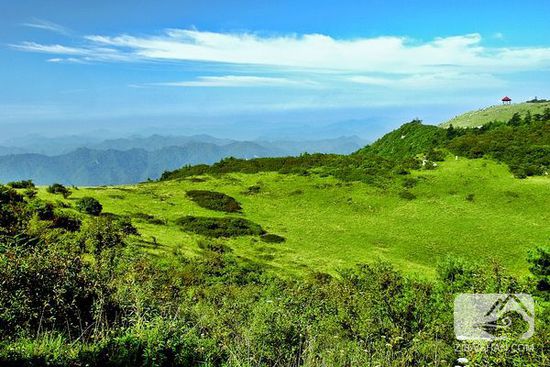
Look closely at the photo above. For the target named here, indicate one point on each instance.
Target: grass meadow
(474, 209)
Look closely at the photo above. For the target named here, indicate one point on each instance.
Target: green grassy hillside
(409, 140)
(316, 260)
(495, 113)
(472, 208)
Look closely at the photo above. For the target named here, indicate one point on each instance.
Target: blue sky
(135, 63)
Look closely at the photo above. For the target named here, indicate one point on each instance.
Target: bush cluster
(89, 205)
(57, 188)
(523, 143)
(214, 200)
(219, 227)
(23, 184)
(272, 238)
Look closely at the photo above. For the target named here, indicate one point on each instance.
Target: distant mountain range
(135, 159)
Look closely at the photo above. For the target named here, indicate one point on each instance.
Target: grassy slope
(498, 113)
(330, 224)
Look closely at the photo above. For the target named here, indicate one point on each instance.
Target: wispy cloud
(240, 81)
(47, 26)
(430, 81)
(70, 60)
(83, 53)
(317, 51)
(461, 61)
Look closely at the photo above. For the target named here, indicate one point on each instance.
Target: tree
(89, 205)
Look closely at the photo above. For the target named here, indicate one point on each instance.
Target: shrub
(127, 227)
(66, 222)
(539, 260)
(407, 195)
(272, 238)
(13, 212)
(151, 219)
(252, 190)
(470, 197)
(23, 184)
(219, 227)
(57, 188)
(436, 155)
(44, 289)
(89, 205)
(44, 210)
(410, 182)
(30, 193)
(214, 200)
(102, 234)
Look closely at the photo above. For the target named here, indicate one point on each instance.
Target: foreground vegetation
(88, 297)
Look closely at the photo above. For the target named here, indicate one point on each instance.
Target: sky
(79, 66)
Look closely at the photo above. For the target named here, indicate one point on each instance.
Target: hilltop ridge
(496, 113)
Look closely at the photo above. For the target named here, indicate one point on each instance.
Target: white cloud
(82, 53)
(431, 81)
(71, 60)
(446, 62)
(51, 49)
(47, 26)
(240, 81)
(317, 51)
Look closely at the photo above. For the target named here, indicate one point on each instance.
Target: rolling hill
(413, 197)
(501, 113)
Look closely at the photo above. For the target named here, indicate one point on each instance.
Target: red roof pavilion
(506, 100)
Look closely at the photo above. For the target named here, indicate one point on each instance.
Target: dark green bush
(89, 205)
(57, 188)
(253, 190)
(127, 227)
(13, 211)
(102, 234)
(214, 200)
(220, 227)
(30, 193)
(436, 155)
(44, 210)
(410, 182)
(539, 260)
(66, 221)
(407, 195)
(151, 219)
(23, 184)
(272, 238)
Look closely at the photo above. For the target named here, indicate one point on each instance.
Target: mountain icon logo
(494, 316)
